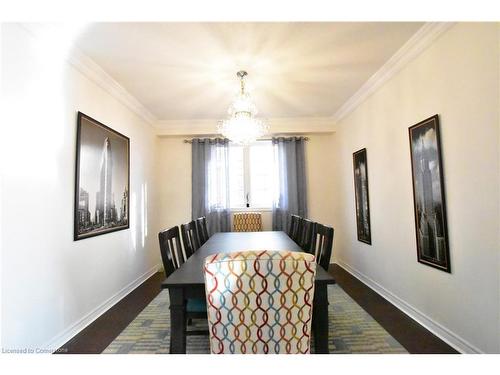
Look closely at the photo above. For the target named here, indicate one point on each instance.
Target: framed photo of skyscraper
(102, 181)
(428, 194)
(360, 166)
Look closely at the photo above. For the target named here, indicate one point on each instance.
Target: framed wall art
(102, 181)
(428, 194)
(360, 166)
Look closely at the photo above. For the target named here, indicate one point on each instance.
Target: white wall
(175, 187)
(499, 186)
(51, 285)
(457, 77)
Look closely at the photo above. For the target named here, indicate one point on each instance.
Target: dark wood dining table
(188, 282)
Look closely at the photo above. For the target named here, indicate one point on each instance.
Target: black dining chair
(293, 231)
(171, 249)
(300, 230)
(190, 238)
(170, 244)
(306, 235)
(201, 225)
(322, 243)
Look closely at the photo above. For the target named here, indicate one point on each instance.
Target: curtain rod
(262, 139)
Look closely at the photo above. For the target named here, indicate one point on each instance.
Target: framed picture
(360, 166)
(428, 194)
(102, 182)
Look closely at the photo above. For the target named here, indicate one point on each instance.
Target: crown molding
(90, 69)
(95, 73)
(422, 39)
(294, 125)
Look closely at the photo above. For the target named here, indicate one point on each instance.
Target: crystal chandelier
(242, 127)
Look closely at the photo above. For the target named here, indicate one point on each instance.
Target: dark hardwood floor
(100, 333)
(415, 338)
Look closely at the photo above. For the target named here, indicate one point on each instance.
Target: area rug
(351, 330)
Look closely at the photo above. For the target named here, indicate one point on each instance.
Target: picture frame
(429, 202)
(102, 179)
(361, 196)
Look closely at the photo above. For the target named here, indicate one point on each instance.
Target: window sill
(251, 209)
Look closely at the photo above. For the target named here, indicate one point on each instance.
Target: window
(251, 182)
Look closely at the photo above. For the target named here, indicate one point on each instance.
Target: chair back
(190, 238)
(247, 222)
(300, 230)
(201, 225)
(306, 237)
(322, 244)
(260, 302)
(294, 230)
(170, 249)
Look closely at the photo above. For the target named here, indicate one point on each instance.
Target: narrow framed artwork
(428, 194)
(102, 179)
(360, 166)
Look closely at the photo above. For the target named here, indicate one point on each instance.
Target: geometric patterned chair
(260, 302)
(247, 222)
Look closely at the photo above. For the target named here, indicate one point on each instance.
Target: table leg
(177, 321)
(320, 319)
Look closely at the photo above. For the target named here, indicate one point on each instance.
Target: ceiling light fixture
(242, 127)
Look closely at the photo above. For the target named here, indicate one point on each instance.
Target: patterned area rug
(352, 330)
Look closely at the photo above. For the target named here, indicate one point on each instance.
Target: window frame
(247, 184)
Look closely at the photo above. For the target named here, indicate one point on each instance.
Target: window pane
(236, 177)
(261, 174)
(217, 178)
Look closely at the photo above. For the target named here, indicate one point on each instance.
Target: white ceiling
(183, 71)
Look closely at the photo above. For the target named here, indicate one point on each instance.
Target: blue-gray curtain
(291, 193)
(210, 183)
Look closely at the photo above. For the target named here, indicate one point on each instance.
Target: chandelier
(242, 127)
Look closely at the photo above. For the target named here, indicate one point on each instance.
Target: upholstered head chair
(260, 301)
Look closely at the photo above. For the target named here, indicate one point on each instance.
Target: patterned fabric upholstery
(260, 301)
(247, 222)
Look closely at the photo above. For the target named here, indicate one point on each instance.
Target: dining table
(188, 282)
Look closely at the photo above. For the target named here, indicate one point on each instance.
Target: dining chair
(171, 249)
(299, 231)
(306, 237)
(190, 238)
(291, 227)
(170, 244)
(201, 225)
(293, 231)
(260, 302)
(322, 243)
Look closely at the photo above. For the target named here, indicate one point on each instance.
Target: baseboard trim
(75, 328)
(452, 339)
